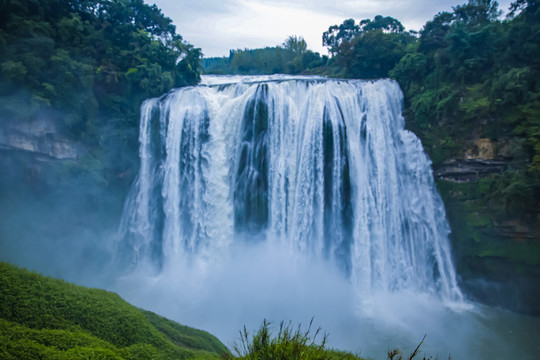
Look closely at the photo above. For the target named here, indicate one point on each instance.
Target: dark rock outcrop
(459, 170)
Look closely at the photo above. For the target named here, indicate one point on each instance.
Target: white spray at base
(288, 198)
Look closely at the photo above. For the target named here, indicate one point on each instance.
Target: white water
(286, 198)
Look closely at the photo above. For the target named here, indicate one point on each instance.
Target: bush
(290, 343)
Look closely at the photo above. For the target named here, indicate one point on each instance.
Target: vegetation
(472, 76)
(292, 57)
(45, 318)
(89, 64)
(289, 343)
(296, 344)
(368, 50)
(83, 57)
(467, 75)
(493, 246)
(85, 66)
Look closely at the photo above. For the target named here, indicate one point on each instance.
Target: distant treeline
(292, 57)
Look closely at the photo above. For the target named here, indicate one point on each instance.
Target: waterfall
(321, 167)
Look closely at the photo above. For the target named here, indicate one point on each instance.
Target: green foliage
(472, 76)
(367, 50)
(218, 65)
(290, 58)
(384, 23)
(336, 35)
(295, 44)
(91, 63)
(85, 66)
(290, 343)
(373, 54)
(44, 318)
(477, 12)
(185, 336)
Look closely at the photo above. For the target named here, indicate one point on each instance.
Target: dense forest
(472, 92)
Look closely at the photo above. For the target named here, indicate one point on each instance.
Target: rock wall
(42, 137)
(496, 249)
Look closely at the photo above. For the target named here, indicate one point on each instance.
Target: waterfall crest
(321, 167)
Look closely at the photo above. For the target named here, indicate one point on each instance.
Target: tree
(90, 64)
(367, 50)
(336, 35)
(530, 5)
(432, 35)
(385, 23)
(477, 13)
(373, 54)
(292, 57)
(295, 44)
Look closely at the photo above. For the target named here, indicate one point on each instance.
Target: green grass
(289, 343)
(45, 318)
(297, 343)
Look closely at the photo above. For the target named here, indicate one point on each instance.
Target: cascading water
(322, 167)
(289, 198)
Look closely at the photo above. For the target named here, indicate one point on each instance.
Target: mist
(185, 224)
(251, 282)
(59, 209)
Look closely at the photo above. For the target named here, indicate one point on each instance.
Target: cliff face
(480, 158)
(496, 249)
(42, 137)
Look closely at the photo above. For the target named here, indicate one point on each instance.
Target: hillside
(45, 318)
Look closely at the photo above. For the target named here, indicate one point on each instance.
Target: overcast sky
(216, 26)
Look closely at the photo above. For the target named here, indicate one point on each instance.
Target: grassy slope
(46, 318)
